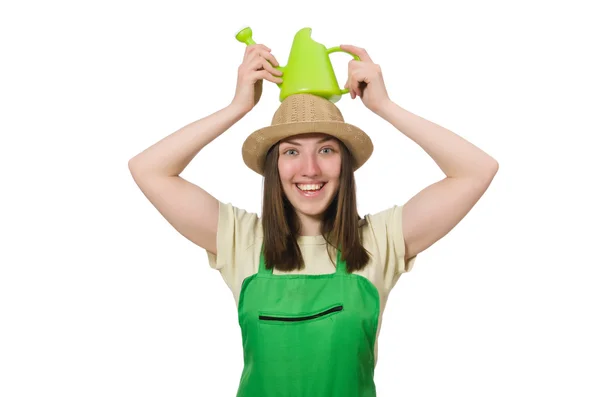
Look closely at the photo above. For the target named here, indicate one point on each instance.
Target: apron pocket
(301, 318)
(305, 352)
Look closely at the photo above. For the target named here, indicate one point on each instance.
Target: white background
(100, 296)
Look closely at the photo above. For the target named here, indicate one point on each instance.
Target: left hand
(365, 80)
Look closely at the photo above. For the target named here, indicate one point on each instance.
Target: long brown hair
(281, 225)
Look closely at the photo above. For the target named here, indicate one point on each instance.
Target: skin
(310, 158)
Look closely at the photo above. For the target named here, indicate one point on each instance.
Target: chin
(311, 210)
(310, 206)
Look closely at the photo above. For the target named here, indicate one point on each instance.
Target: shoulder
(382, 226)
(388, 218)
(244, 224)
(232, 213)
(383, 236)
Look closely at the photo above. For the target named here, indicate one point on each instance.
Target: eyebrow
(326, 139)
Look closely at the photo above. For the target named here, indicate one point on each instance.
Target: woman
(310, 277)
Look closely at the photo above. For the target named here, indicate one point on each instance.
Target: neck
(310, 225)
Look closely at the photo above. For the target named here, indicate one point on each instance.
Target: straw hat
(303, 114)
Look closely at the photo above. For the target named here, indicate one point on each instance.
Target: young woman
(311, 277)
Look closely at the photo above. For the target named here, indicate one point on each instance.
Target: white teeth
(310, 187)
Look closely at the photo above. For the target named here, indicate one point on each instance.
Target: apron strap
(340, 265)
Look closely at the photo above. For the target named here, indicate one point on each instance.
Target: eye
(289, 150)
(328, 148)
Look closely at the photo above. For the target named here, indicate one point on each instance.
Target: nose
(311, 166)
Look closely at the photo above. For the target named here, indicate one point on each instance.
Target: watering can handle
(338, 49)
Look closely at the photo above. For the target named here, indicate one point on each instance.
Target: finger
(263, 74)
(354, 85)
(357, 87)
(351, 88)
(257, 47)
(257, 63)
(267, 66)
(352, 66)
(361, 52)
(355, 67)
(347, 86)
(263, 55)
(251, 50)
(269, 57)
(354, 82)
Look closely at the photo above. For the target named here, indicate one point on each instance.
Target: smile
(310, 190)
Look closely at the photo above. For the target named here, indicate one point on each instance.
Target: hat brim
(256, 146)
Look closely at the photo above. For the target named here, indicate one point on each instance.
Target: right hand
(254, 68)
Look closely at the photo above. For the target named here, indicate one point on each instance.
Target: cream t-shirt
(240, 237)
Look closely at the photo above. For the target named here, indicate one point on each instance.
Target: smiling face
(309, 169)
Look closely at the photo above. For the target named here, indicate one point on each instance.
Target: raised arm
(434, 211)
(191, 210)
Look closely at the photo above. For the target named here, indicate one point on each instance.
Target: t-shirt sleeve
(238, 233)
(385, 236)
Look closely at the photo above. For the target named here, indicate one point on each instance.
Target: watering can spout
(244, 35)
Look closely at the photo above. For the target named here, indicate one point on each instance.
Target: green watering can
(309, 68)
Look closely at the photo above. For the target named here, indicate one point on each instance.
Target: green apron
(308, 335)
